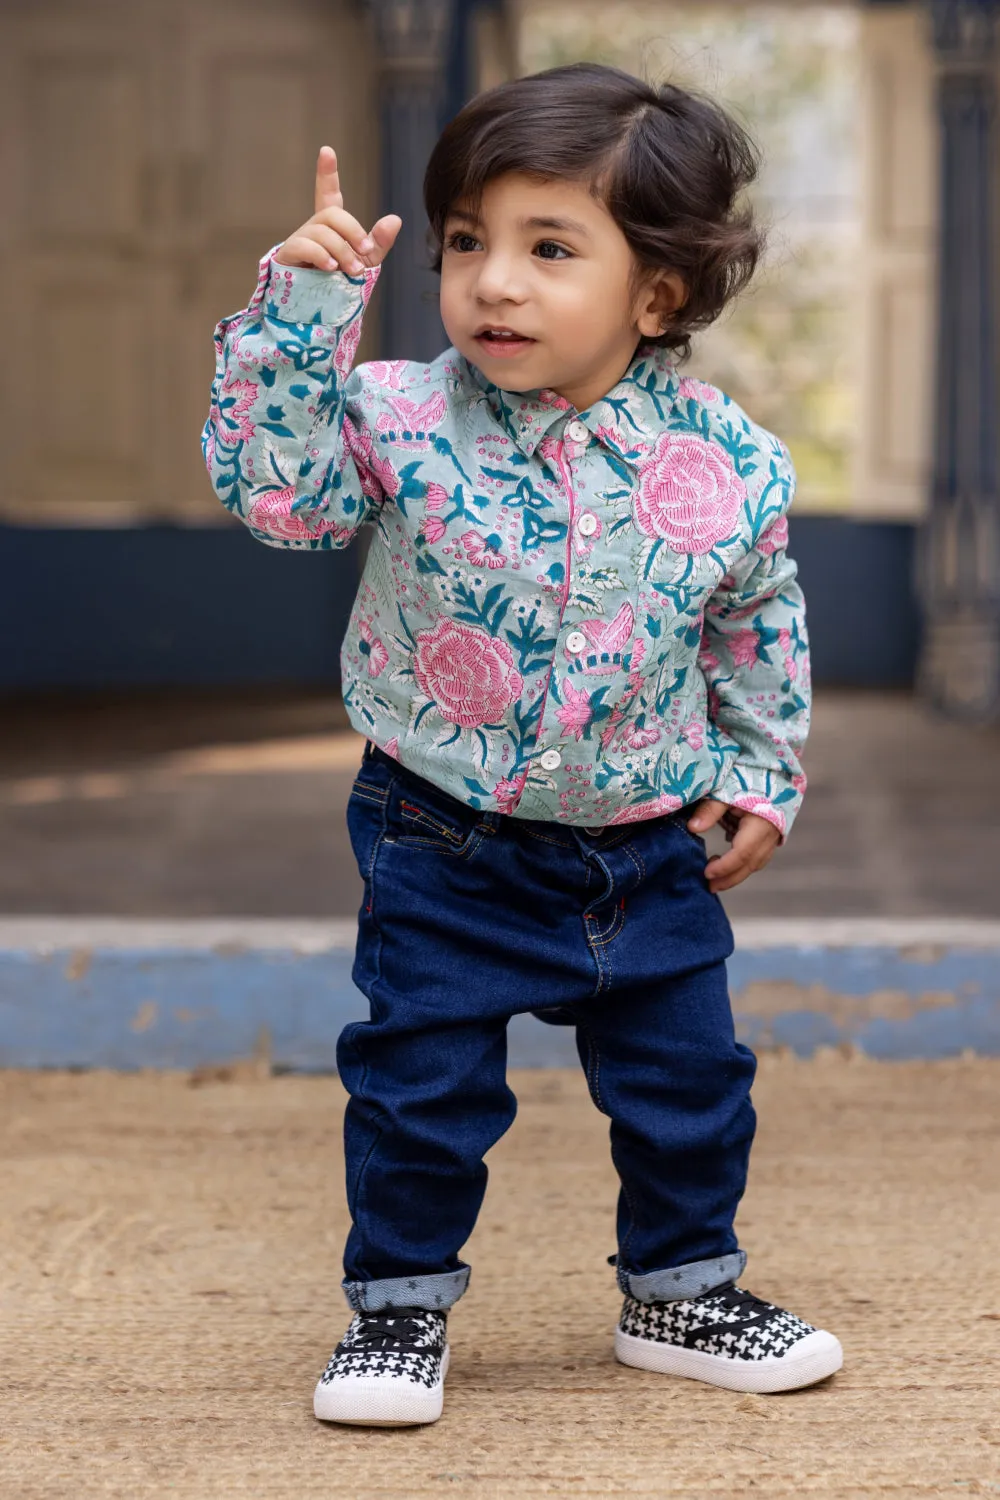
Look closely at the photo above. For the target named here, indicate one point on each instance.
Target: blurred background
(172, 742)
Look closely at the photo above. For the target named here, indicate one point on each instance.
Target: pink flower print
(655, 807)
(800, 782)
(437, 496)
(376, 473)
(550, 448)
(689, 494)
(420, 418)
(743, 647)
(707, 659)
(245, 394)
(608, 639)
(483, 551)
(410, 425)
(638, 738)
(714, 705)
(372, 647)
(347, 348)
(693, 733)
(506, 793)
(387, 372)
(785, 642)
(691, 389)
(697, 390)
(468, 674)
(575, 712)
(271, 512)
(434, 528)
(391, 747)
(752, 802)
(774, 538)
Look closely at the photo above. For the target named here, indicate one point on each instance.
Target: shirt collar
(629, 415)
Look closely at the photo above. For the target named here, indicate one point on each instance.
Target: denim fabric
(681, 1282)
(470, 917)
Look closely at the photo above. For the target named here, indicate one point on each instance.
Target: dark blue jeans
(471, 917)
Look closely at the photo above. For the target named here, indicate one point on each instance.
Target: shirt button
(577, 432)
(587, 523)
(550, 760)
(576, 641)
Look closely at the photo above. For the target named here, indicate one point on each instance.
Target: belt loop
(369, 750)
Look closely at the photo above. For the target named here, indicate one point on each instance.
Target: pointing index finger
(328, 194)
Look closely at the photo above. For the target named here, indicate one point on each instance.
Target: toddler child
(577, 645)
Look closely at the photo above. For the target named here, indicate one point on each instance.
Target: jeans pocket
(366, 815)
(416, 823)
(680, 820)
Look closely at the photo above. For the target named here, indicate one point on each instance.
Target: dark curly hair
(669, 165)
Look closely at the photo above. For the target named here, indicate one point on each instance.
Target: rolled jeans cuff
(433, 1293)
(678, 1283)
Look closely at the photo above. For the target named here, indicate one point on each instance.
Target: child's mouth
(501, 343)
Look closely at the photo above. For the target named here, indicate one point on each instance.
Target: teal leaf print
(537, 531)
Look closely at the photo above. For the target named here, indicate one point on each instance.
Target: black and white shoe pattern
(726, 1337)
(388, 1370)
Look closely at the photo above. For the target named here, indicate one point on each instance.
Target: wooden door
(896, 294)
(259, 90)
(153, 150)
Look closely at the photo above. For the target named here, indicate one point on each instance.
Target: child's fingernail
(366, 244)
(356, 266)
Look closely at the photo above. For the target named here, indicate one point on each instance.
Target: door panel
(896, 265)
(153, 153)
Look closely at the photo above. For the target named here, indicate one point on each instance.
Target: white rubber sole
(812, 1358)
(389, 1402)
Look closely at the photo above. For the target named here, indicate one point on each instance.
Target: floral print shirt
(582, 617)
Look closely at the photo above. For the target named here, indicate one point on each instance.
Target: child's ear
(659, 299)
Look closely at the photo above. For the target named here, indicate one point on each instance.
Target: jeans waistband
(563, 833)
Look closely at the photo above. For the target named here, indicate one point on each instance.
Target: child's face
(546, 261)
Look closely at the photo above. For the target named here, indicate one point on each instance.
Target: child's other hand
(333, 239)
(754, 840)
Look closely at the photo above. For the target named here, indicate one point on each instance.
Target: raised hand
(333, 239)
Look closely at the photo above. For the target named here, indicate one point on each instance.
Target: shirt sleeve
(755, 659)
(286, 444)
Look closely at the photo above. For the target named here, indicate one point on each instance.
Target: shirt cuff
(766, 794)
(295, 294)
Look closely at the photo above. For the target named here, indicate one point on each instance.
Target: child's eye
(463, 243)
(549, 250)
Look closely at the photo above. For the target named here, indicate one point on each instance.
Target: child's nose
(498, 280)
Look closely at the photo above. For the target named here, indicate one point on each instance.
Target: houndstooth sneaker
(387, 1371)
(726, 1337)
